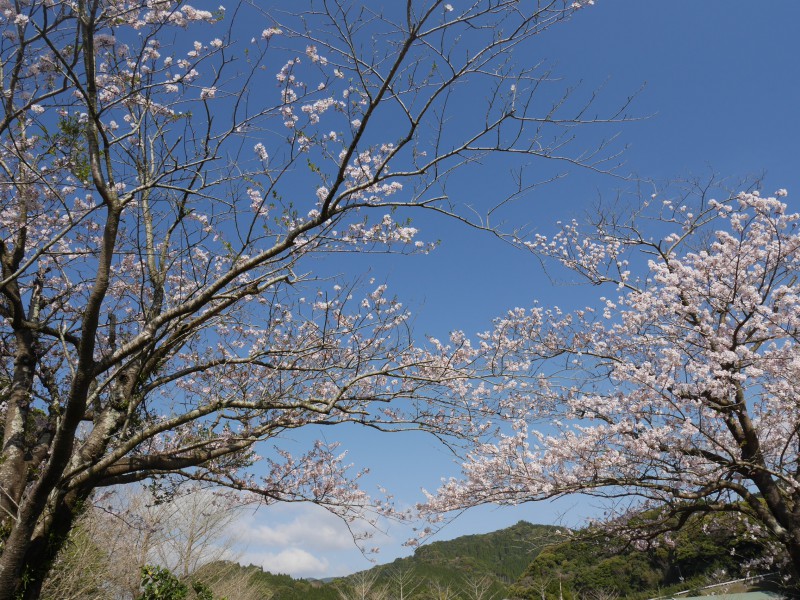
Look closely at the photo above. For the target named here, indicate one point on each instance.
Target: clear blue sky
(722, 95)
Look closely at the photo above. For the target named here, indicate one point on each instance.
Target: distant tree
(600, 594)
(536, 583)
(113, 544)
(168, 175)
(677, 392)
(363, 586)
(438, 590)
(229, 581)
(478, 588)
(403, 583)
(190, 530)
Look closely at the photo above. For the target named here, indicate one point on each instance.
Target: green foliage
(275, 587)
(687, 559)
(160, 584)
(71, 141)
(202, 591)
(501, 556)
(542, 560)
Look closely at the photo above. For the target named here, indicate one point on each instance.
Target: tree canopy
(677, 390)
(168, 175)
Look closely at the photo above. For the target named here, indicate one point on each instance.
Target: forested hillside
(265, 585)
(534, 562)
(498, 558)
(705, 552)
(490, 562)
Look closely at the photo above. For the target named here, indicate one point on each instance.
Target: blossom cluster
(680, 388)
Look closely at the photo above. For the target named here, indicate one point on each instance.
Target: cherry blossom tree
(169, 174)
(674, 395)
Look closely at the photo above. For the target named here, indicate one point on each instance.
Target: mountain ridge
(537, 562)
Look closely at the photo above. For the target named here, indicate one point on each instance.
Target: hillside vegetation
(703, 553)
(490, 562)
(540, 562)
(498, 559)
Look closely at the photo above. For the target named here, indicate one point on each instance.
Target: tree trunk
(792, 587)
(37, 555)
(12, 465)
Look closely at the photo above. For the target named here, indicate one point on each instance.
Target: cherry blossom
(170, 172)
(675, 392)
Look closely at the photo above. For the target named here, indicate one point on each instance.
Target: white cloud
(292, 561)
(299, 540)
(304, 540)
(308, 527)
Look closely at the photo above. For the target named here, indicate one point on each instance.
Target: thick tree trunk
(12, 465)
(13, 565)
(13, 471)
(47, 539)
(792, 588)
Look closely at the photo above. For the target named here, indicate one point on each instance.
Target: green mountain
(490, 562)
(532, 562)
(236, 582)
(705, 552)
(493, 560)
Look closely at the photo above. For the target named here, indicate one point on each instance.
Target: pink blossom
(261, 152)
(271, 31)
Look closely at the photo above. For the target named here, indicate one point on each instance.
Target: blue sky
(722, 95)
